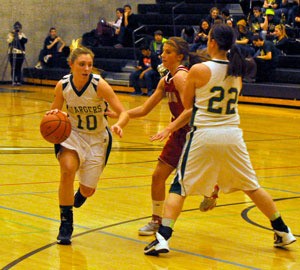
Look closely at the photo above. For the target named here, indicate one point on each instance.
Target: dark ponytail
(237, 63)
(195, 58)
(225, 37)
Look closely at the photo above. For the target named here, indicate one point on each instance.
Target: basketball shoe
(65, 233)
(209, 203)
(79, 199)
(283, 238)
(149, 229)
(159, 245)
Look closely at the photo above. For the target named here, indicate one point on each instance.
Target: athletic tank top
(85, 108)
(174, 101)
(216, 102)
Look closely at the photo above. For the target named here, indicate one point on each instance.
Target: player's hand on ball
(55, 111)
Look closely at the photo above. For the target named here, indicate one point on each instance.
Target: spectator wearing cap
(244, 37)
(156, 45)
(269, 24)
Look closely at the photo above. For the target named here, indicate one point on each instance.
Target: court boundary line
(244, 215)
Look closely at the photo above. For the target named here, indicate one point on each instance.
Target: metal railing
(135, 42)
(177, 17)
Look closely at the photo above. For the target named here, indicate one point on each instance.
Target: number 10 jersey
(85, 108)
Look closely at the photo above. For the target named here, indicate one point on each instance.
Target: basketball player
(215, 151)
(175, 58)
(87, 149)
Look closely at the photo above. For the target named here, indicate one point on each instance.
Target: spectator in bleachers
(281, 40)
(291, 8)
(225, 13)
(102, 35)
(188, 33)
(129, 24)
(116, 25)
(200, 40)
(213, 16)
(229, 23)
(52, 52)
(256, 21)
(271, 4)
(156, 45)
(266, 59)
(244, 36)
(269, 24)
(297, 19)
(146, 72)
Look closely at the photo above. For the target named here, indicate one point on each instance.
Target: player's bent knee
(87, 191)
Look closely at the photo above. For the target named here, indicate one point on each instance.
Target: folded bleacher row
(170, 17)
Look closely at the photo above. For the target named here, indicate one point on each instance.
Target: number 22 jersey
(216, 103)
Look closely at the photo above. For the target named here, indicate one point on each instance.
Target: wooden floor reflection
(235, 235)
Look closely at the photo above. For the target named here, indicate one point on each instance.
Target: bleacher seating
(118, 63)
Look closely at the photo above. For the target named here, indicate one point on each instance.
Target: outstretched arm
(150, 103)
(178, 123)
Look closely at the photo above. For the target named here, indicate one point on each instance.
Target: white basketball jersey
(216, 102)
(85, 108)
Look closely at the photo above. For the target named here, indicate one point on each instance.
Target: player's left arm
(178, 123)
(267, 56)
(179, 82)
(105, 90)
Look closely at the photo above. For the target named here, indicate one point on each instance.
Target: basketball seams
(55, 128)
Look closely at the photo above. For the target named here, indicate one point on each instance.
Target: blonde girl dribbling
(86, 151)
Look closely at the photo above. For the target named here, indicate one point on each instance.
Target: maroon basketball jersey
(175, 103)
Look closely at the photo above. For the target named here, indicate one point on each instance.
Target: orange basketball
(56, 127)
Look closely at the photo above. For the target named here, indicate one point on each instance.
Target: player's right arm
(150, 103)
(58, 101)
